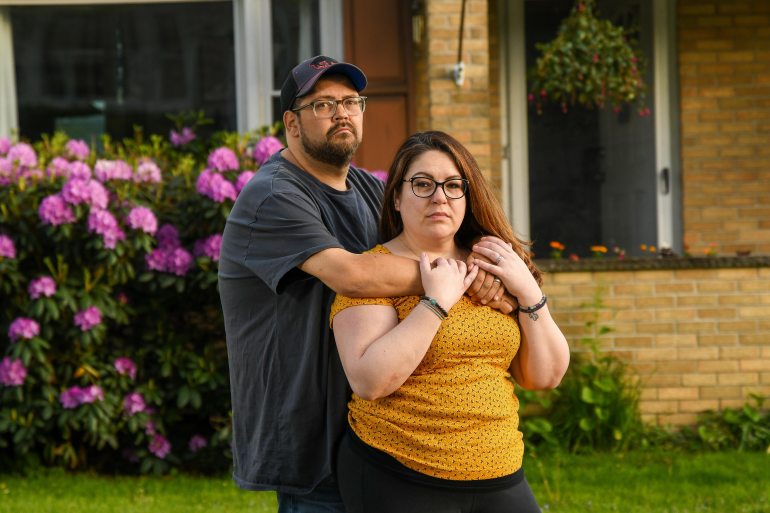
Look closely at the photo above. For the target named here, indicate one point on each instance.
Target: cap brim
(355, 75)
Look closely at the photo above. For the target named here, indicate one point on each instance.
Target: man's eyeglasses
(424, 187)
(323, 109)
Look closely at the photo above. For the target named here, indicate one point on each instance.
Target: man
(293, 238)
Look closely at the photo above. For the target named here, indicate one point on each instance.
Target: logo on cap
(321, 65)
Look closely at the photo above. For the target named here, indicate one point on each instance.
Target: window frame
(253, 54)
(514, 127)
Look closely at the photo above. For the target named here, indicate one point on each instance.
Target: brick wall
(698, 339)
(460, 111)
(724, 65)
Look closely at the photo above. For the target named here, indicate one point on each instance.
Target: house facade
(693, 177)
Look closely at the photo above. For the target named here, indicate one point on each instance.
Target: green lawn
(628, 483)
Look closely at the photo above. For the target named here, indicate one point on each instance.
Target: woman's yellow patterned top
(456, 417)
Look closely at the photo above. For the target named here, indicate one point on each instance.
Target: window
(107, 66)
(91, 69)
(591, 177)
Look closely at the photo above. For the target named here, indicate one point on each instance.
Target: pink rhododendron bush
(112, 350)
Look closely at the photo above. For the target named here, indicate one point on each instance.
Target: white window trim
(515, 162)
(9, 111)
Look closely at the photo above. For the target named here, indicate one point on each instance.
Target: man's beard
(333, 153)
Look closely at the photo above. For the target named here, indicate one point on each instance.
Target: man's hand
(484, 288)
(506, 304)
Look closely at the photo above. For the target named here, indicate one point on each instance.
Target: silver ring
(499, 259)
(497, 280)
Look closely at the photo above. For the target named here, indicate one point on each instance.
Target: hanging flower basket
(591, 62)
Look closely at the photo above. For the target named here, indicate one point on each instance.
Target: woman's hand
(447, 281)
(509, 268)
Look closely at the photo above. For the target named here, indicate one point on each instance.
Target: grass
(653, 482)
(629, 483)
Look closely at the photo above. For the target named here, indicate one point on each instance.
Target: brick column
(462, 111)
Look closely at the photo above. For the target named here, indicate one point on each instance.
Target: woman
(433, 418)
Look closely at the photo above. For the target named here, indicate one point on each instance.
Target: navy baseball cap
(305, 75)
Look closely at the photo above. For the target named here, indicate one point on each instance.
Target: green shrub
(596, 406)
(115, 356)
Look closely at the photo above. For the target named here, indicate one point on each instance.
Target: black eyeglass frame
(336, 106)
(437, 184)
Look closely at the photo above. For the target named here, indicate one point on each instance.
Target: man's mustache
(342, 125)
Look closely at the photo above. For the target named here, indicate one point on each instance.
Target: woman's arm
(543, 356)
(378, 353)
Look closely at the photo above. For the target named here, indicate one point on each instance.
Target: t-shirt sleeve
(286, 230)
(342, 302)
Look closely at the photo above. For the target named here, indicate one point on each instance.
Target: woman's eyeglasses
(425, 187)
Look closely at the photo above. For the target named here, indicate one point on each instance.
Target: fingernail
(497, 298)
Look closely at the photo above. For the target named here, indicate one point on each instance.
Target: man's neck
(333, 176)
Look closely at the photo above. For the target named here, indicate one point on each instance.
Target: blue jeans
(324, 499)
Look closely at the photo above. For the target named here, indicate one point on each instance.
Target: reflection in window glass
(591, 171)
(95, 69)
(296, 37)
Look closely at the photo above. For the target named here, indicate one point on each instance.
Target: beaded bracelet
(433, 305)
(530, 310)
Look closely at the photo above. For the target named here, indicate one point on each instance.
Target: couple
(432, 423)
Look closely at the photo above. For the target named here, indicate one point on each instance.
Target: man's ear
(291, 123)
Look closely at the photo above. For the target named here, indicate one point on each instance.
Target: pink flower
(243, 179)
(5, 145)
(91, 394)
(59, 166)
(12, 372)
(149, 427)
(133, 403)
(142, 218)
(168, 237)
(23, 327)
(78, 171)
(209, 247)
(7, 248)
(196, 443)
(55, 211)
(126, 367)
(106, 170)
(90, 192)
(380, 175)
(104, 223)
(7, 173)
(156, 261)
(43, 286)
(265, 148)
(147, 172)
(88, 318)
(215, 186)
(223, 159)
(180, 139)
(77, 149)
(71, 398)
(22, 155)
(160, 446)
(179, 261)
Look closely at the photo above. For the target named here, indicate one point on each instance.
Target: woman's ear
(397, 204)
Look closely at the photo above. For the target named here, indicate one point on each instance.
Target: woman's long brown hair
(483, 215)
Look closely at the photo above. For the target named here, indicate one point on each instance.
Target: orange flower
(598, 249)
(557, 245)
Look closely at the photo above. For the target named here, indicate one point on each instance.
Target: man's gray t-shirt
(289, 391)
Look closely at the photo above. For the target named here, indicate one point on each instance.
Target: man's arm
(365, 275)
